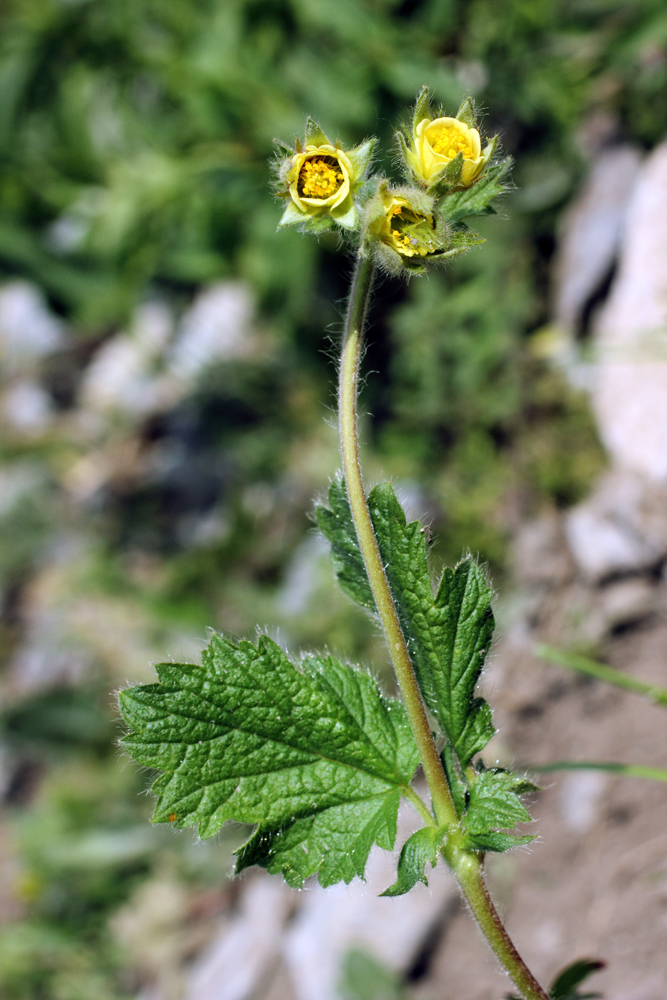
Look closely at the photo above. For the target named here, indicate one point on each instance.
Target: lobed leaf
(448, 635)
(419, 850)
(314, 755)
(493, 807)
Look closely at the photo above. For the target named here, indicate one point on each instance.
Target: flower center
(449, 142)
(319, 177)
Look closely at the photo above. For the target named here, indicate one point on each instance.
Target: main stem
(466, 865)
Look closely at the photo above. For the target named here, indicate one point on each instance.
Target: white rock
(236, 963)
(28, 330)
(630, 391)
(591, 232)
(215, 328)
(332, 921)
(580, 797)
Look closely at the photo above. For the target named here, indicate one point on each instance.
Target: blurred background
(166, 406)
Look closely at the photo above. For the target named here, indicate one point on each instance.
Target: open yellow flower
(437, 143)
(319, 178)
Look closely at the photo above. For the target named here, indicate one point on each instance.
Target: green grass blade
(592, 668)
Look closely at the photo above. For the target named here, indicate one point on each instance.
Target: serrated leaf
(497, 841)
(422, 108)
(494, 806)
(476, 199)
(447, 635)
(564, 986)
(336, 524)
(466, 112)
(315, 755)
(419, 850)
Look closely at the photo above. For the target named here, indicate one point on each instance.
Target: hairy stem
(466, 865)
(443, 805)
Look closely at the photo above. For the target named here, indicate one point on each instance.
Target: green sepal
(457, 785)
(336, 524)
(448, 177)
(466, 113)
(422, 108)
(345, 214)
(361, 156)
(419, 850)
(476, 199)
(564, 986)
(314, 136)
(292, 216)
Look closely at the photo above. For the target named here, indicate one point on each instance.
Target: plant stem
(441, 798)
(466, 865)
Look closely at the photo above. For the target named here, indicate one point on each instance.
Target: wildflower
(445, 150)
(438, 142)
(320, 180)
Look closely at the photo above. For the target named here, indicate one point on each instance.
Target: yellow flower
(319, 181)
(403, 228)
(437, 143)
(319, 178)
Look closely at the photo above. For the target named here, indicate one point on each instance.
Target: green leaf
(476, 199)
(466, 112)
(494, 806)
(419, 850)
(422, 108)
(564, 986)
(447, 635)
(364, 978)
(457, 786)
(336, 524)
(315, 755)
(496, 841)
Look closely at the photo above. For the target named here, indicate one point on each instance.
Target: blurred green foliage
(134, 140)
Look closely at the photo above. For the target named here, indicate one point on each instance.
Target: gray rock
(620, 528)
(626, 602)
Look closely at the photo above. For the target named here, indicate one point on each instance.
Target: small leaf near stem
(466, 865)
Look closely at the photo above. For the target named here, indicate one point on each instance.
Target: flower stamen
(319, 177)
(449, 142)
